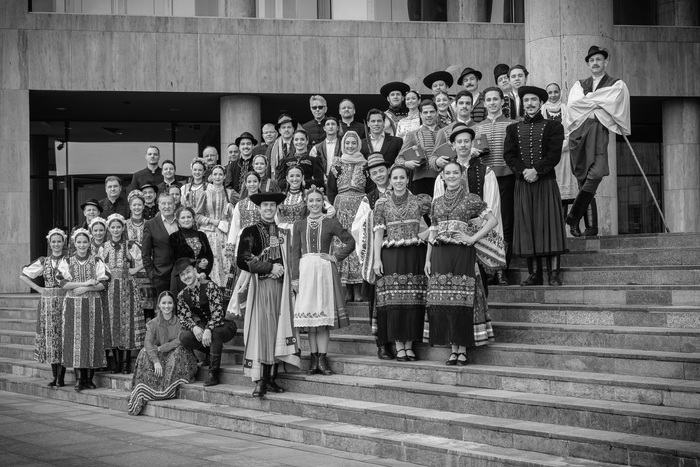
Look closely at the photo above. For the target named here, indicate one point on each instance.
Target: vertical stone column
(558, 34)
(681, 136)
(238, 8)
(238, 114)
(467, 11)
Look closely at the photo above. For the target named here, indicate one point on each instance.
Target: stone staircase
(604, 370)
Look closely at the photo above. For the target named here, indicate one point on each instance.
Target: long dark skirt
(456, 301)
(84, 320)
(401, 292)
(539, 220)
(49, 326)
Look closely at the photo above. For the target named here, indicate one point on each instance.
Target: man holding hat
(438, 81)
(202, 316)
(532, 150)
(597, 105)
(394, 93)
(268, 333)
(282, 147)
(469, 79)
(239, 167)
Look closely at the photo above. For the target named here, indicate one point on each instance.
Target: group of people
(417, 210)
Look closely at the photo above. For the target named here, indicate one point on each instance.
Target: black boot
(117, 361)
(126, 362)
(88, 383)
(82, 377)
(323, 366)
(213, 377)
(271, 383)
(61, 376)
(384, 352)
(110, 365)
(261, 384)
(553, 266)
(313, 364)
(54, 371)
(501, 278)
(535, 277)
(578, 209)
(590, 220)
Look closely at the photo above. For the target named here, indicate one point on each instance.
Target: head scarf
(355, 156)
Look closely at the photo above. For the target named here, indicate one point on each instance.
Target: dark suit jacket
(323, 157)
(390, 149)
(155, 250)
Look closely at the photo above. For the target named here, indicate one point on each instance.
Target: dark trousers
(219, 336)
(506, 188)
(161, 284)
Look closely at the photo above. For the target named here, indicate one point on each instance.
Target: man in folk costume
(202, 316)
(394, 93)
(282, 147)
(268, 331)
(463, 111)
(421, 141)
(597, 105)
(470, 79)
(438, 81)
(241, 165)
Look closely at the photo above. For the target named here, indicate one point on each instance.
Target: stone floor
(41, 432)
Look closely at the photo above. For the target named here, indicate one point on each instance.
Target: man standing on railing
(596, 105)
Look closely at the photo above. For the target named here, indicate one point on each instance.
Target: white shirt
(330, 152)
(376, 143)
(170, 226)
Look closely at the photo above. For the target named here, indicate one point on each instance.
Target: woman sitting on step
(163, 364)
(49, 321)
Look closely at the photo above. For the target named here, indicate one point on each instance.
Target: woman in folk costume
(320, 303)
(84, 276)
(555, 109)
(267, 184)
(411, 121)
(294, 208)
(49, 322)
(98, 230)
(456, 300)
(196, 185)
(346, 189)
(135, 225)
(399, 262)
(268, 333)
(126, 320)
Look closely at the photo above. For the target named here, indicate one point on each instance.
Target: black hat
(388, 88)
(375, 159)
(539, 92)
(259, 198)
(284, 118)
(91, 202)
(246, 135)
(438, 76)
(500, 69)
(149, 184)
(182, 264)
(596, 50)
(469, 71)
(460, 128)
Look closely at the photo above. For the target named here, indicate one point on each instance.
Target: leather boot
(590, 220)
(88, 383)
(261, 384)
(61, 376)
(213, 377)
(501, 278)
(271, 383)
(110, 363)
(578, 209)
(384, 352)
(82, 377)
(323, 366)
(54, 371)
(535, 277)
(117, 354)
(553, 265)
(126, 362)
(313, 365)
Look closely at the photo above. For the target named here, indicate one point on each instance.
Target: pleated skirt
(321, 299)
(539, 228)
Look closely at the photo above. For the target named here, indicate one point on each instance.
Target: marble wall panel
(219, 63)
(14, 116)
(340, 67)
(91, 61)
(299, 64)
(14, 155)
(134, 61)
(177, 62)
(541, 26)
(261, 70)
(13, 211)
(14, 15)
(14, 255)
(540, 55)
(642, 75)
(48, 59)
(13, 72)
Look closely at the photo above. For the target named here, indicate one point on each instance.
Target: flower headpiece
(313, 189)
(116, 217)
(97, 220)
(136, 194)
(80, 231)
(56, 231)
(197, 160)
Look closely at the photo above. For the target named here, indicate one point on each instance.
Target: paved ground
(37, 431)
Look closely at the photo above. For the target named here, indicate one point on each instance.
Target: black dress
(189, 243)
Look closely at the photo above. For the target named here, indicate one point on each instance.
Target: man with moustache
(394, 93)
(237, 170)
(470, 78)
(282, 147)
(377, 140)
(463, 111)
(597, 105)
(347, 119)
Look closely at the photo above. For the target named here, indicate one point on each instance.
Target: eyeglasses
(318, 107)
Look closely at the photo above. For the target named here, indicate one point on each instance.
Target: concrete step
(18, 313)
(615, 337)
(274, 414)
(627, 257)
(17, 337)
(16, 324)
(620, 275)
(634, 242)
(17, 351)
(22, 300)
(685, 317)
(662, 295)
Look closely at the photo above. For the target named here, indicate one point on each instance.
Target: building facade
(85, 86)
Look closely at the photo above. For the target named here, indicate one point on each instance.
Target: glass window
(637, 212)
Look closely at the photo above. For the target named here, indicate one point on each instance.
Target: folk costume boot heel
(590, 220)
(54, 371)
(117, 361)
(271, 383)
(213, 377)
(578, 209)
(323, 366)
(261, 384)
(82, 378)
(88, 382)
(535, 277)
(313, 364)
(553, 265)
(61, 376)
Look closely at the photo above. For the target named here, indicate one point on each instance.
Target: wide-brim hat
(460, 128)
(596, 50)
(376, 159)
(149, 185)
(259, 198)
(246, 135)
(539, 92)
(91, 202)
(182, 264)
(438, 76)
(499, 70)
(388, 88)
(469, 71)
(284, 118)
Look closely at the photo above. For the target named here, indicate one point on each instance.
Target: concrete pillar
(678, 13)
(681, 137)
(238, 114)
(238, 8)
(558, 34)
(467, 11)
